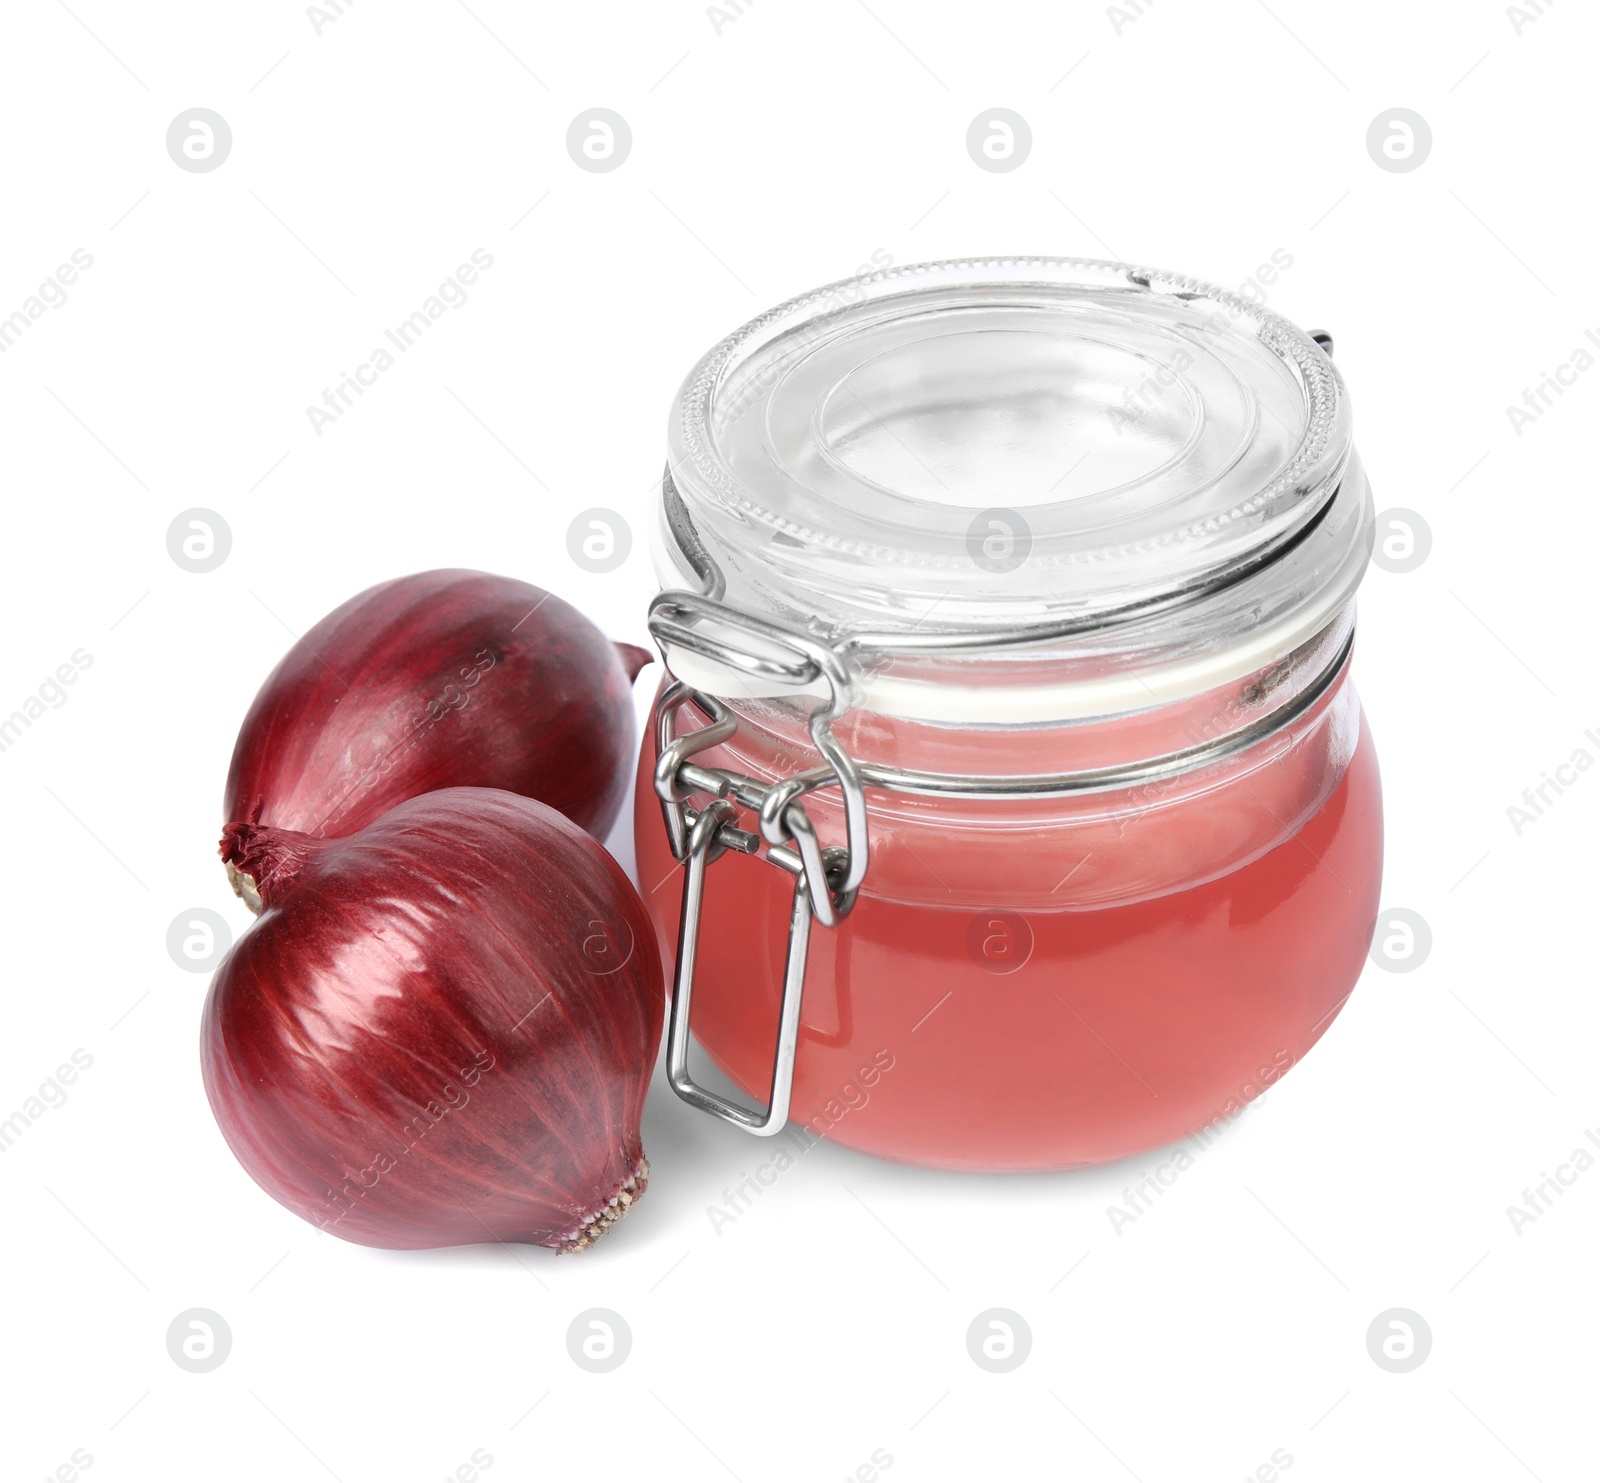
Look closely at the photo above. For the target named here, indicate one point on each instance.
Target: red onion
(441, 1029)
(439, 680)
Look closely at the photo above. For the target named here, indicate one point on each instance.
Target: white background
(830, 1321)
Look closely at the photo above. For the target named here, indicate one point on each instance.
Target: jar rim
(827, 460)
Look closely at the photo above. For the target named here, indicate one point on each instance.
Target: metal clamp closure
(698, 838)
(680, 618)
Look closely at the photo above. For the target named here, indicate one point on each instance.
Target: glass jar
(1009, 806)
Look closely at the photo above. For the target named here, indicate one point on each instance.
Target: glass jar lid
(1135, 467)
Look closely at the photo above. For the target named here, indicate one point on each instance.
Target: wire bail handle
(826, 879)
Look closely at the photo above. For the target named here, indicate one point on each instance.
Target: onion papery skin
(441, 1029)
(438, 680)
